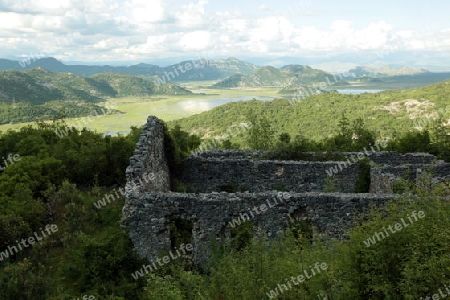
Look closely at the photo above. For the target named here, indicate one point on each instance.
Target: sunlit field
(137, 109)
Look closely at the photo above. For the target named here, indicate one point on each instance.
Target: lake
(168, 109)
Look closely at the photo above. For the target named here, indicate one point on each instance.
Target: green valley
(38, 94)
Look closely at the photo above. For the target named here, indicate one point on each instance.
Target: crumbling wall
(148, 169)
(383, 177)
(215, 174)
(395, 159)
(212, 216)
(235, 170)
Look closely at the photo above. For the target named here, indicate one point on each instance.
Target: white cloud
(145, 11)
(192, 15)
(197, 40)
(10, 20)
(138, 29)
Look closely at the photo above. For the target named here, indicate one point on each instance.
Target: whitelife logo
(439, 296)
(31, 240)
(398, 226)
(263, 208)
(281, 287)
(110, 197)
(169, 75)
(86, 297)
(11, 159)
(166, 259)
(360, 155)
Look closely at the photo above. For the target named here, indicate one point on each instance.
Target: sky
(324, 33)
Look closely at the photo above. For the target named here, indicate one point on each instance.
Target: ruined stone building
(229, 185)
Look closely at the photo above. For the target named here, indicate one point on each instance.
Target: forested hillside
(52, 187)
(388, 114)
(287, 75)
(22, 112)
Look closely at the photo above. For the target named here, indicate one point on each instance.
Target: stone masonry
(230, 185)
(149, 158)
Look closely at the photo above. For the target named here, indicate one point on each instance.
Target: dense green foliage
(59, 179)
(388, 114)
(178, 145)
(351, 136)
(407, 264)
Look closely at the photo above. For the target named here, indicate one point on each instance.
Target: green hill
(38, 94)
(73, 87)
(128, 85)
(387, 113)
(23, 113)
(21, 87)
(285, 76)
(308, 75)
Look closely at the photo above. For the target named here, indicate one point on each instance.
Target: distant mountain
(203, 69)
(200, 69)
(21, 87)
(73, 87)
(54, 65)
(385, 71)
(127, 85)
(395, 78)
(37, 86)
(290, 75)
(233, 81)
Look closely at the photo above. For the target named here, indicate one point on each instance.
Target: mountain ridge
(37, 86)
(286, 76)
(213, 68)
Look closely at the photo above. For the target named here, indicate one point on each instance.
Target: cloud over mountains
(146, 30)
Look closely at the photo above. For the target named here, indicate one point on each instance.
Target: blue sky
(325, 33)
(407, 14)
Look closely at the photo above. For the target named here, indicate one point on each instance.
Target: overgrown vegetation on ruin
(58, 180)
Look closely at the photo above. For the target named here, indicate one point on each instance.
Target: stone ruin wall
(219, 170)
(209, 175)
(148, 169)
(210, 216)
(151, 207)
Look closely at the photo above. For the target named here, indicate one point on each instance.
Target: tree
(260, 135)
(361, 136)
